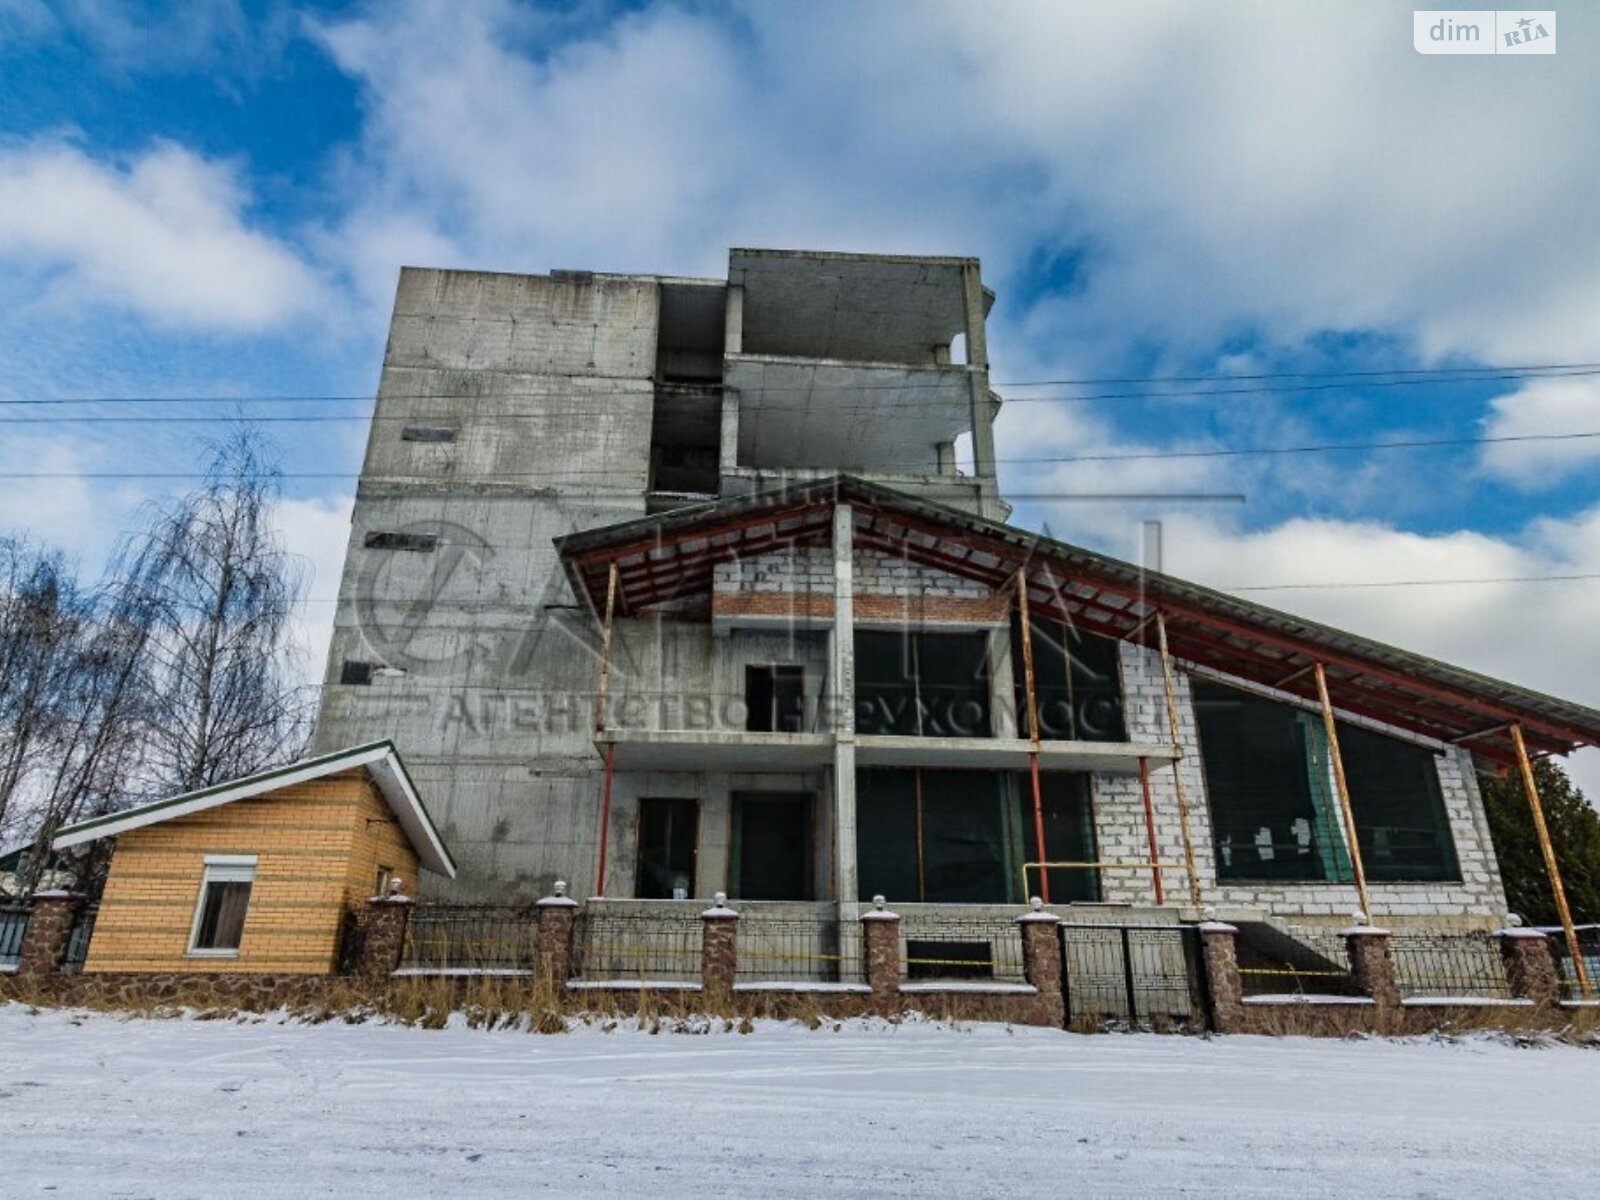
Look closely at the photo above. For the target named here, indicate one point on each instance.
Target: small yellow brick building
(256, 876)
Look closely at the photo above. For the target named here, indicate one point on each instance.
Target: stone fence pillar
(558, 917)
(1372, 971)
(1219, 945)
(1530, 967)
(719, 953)
(44, 942)
(1041, 962)
(383, 943)
(880, 936)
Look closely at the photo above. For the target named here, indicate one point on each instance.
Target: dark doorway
(771, 857)
(775, 699)
(668, 831)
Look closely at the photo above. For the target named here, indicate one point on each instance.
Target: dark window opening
(1398, 805)
(668, 832)
(355, 673)
(1077, 683)
(774, 699)
(686, 417)
(956, 837)
(387, 540)
(427, 433)
(921, 684)
(771, 857)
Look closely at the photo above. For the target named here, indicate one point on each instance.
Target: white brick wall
(1120, 827)
(805, 568)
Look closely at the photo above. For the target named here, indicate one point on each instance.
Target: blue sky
(213, 199)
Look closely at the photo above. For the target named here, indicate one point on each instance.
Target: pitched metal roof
(673, 555)
(382, 764)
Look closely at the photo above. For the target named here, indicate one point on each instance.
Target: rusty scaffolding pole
(1551, 866)
(1033, 731)
(1330, 726)
(1150, 831)
(1177, 762)
(600, 695)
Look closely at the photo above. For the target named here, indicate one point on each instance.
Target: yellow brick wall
(318, 846)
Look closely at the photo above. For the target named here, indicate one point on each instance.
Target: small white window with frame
(224, 897)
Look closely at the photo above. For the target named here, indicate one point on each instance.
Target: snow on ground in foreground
(94, 1105)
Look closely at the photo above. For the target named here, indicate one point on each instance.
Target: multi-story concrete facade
(675, 586)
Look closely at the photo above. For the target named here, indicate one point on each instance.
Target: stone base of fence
(709, 980)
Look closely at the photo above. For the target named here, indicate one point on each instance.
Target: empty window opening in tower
(686, 418)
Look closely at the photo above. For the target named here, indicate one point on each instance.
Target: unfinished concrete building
(670, 587)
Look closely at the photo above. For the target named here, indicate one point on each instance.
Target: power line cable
(1040, 460)
(1330, 380)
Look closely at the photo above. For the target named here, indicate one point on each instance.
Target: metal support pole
(1150, 830)
(605, 819)
(1344, 792)
(599, 725)
(1177, 763)
(1552, 868)
(1033, 732)
(605, 652)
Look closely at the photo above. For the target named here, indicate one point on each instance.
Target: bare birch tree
(218, 589)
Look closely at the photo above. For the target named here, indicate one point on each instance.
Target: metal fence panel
(1134, 973)
(13, 925)
(788, 949)
(658, 944)
(470, 937)
(938, 947)
(1468, 965)
(78, 940)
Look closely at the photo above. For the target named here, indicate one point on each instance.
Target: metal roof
(673, 555)
(380, 760)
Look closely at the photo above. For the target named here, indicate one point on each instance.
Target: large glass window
(1399, 807)
(1275, 812)
(1077, 680)
(957, 837)
(922, 684)
(1274, 815)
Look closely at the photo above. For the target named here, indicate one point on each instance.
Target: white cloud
(316, 531)
(165, 235)
(1544, 407)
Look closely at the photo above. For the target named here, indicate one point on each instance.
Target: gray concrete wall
(548, 384)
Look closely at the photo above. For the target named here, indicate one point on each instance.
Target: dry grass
(499, 1002)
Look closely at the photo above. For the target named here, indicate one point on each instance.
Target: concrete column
(1530, 967)
(1219, 943)
(1005, 719)
(982, 412)
(384, 943)
(728, 447)
(719, 953)
(880, 935)
(733, 321)
(558, 914)
(1372, 971)
(842, 684)
(1041, 963)
(44, 941)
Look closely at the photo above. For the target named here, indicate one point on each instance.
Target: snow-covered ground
(98, 1106)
